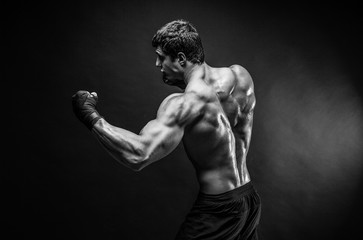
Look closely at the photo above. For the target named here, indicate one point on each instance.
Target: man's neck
(194, 71)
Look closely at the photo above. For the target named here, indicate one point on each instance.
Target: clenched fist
(84, 107)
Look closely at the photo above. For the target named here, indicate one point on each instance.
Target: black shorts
(231, 215)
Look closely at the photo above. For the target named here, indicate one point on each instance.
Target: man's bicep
(159, 139)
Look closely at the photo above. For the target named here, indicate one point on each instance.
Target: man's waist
(217, 182)
(229, 195)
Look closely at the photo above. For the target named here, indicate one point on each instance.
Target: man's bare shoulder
(171, 99)
(244, 89)
(242, 76)
(190, 95)
(181, 108)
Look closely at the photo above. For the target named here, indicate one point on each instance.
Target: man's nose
(157, 63)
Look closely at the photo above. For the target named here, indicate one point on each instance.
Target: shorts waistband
(229, 195)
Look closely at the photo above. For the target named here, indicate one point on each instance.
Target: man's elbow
(138, 163)
(137, 167)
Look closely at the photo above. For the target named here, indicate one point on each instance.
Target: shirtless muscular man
(213, 117)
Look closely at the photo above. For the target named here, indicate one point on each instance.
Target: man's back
(217, 142)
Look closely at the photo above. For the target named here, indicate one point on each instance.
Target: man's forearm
(123, 145)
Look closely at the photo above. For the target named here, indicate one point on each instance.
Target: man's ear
(182, 59)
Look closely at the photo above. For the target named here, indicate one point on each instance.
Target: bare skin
(212, 117)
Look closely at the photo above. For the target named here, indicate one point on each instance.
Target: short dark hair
(180, 36)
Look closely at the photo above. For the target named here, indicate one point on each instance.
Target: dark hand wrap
(84, 107)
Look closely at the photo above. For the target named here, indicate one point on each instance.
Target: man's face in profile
(172, 72)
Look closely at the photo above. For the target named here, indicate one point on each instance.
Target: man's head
(177, 43)
(180, 36)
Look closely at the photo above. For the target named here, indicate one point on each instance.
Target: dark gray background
(306, 151)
